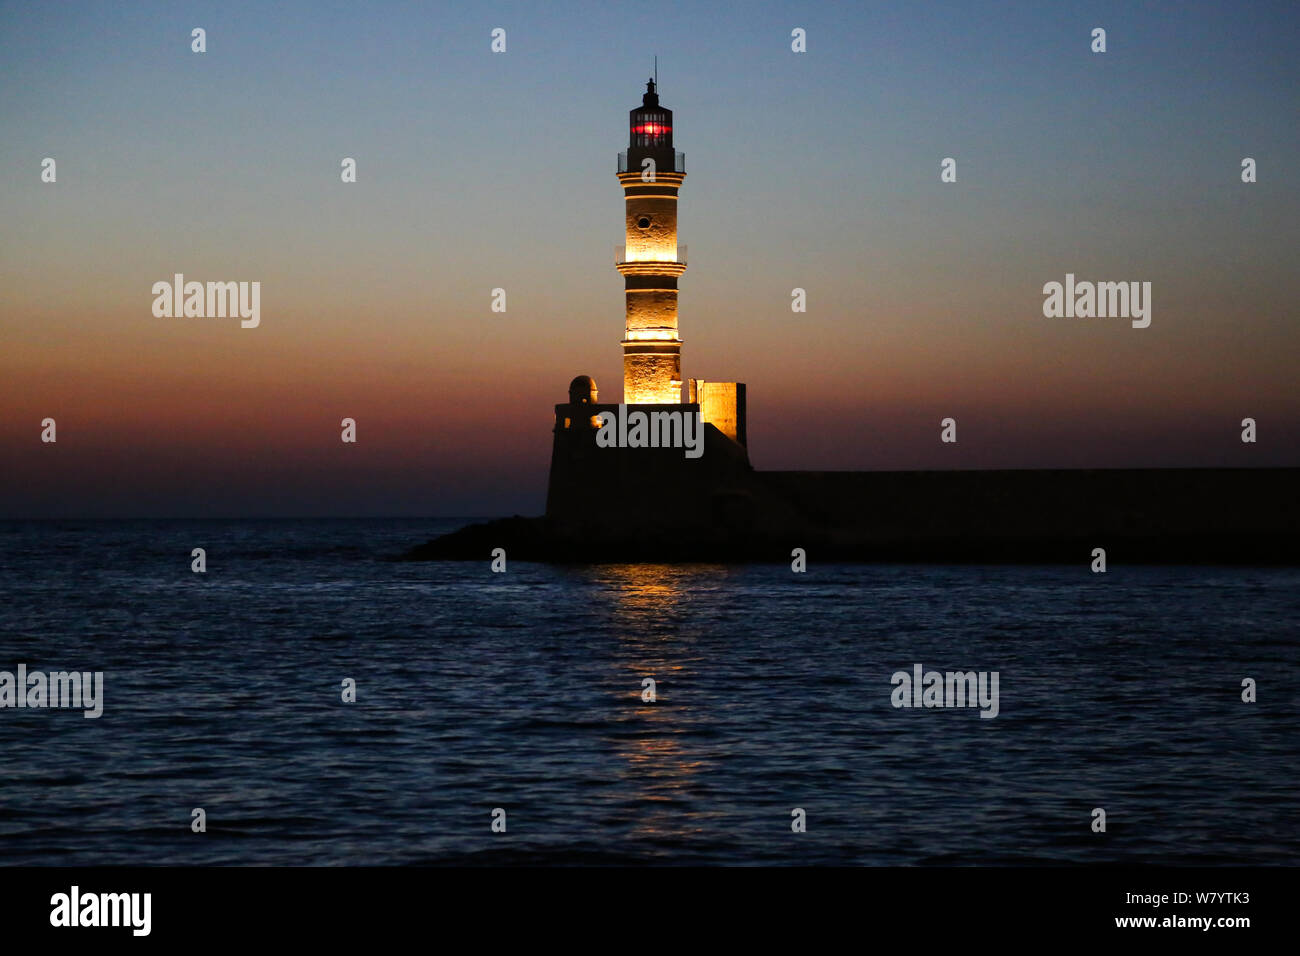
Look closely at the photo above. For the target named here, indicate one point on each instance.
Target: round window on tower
(643, 222)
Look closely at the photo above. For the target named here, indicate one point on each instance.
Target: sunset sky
(479, 170)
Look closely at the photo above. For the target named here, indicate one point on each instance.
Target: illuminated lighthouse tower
(651, 172)
(673, 490)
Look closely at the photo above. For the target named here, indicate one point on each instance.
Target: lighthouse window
(651, 129)
(643, 223)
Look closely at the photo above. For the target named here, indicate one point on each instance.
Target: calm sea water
(523, 691)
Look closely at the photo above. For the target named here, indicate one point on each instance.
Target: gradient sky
(479, 170)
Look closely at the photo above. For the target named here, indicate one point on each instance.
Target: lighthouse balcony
(678, 163)
(638, 260)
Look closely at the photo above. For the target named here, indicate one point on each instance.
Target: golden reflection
(655, 740)
(636, 587)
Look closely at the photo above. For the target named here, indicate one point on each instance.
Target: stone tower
(651, 172)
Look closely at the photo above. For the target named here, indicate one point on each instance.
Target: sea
(507, 717)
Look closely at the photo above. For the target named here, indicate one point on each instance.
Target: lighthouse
(650, 172)
(656, 483)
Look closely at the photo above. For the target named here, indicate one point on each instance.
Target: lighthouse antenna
(656, 71)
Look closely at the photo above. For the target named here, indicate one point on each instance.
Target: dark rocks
(1167, 516)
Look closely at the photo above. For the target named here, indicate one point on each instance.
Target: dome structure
(582, 391)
